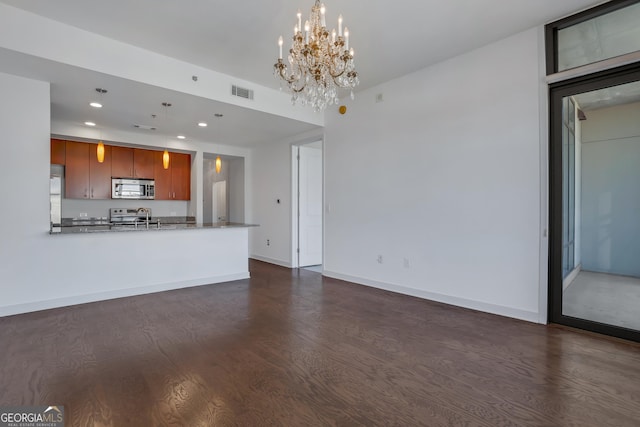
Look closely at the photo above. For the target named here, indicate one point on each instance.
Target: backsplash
(78, 208)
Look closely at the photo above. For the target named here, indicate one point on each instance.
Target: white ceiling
(127, 103)
(239, 38)
(608, 97)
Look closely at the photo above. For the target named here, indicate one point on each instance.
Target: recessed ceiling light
(89, 123)
(181, 137)
(95, 104)
(202, 124)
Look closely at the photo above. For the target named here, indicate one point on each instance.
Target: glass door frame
(558, 91)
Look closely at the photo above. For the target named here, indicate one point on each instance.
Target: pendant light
(100, 151)
(165, 155)
(165, 159)
(218, 160)
(100, 148)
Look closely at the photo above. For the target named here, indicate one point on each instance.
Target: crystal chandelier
(320, 62)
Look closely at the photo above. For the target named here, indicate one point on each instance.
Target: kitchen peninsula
(132, 252)
(84, 266)
(87, 261)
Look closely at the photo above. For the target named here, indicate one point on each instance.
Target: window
(595, 35)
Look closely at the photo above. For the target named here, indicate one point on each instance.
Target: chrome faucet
(147, 212)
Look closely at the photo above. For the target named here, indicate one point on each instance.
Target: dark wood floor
(290, 348)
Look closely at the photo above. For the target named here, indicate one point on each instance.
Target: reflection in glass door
(568, 185)
(596, 203)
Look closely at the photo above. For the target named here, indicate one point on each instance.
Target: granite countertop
(100, 225)
(94, 221)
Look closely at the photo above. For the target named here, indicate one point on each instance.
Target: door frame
(295, 192)
(557, 91)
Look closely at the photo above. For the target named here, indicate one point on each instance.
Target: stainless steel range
(132, 217)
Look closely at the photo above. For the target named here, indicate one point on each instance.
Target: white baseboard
(120, 293)
(271, 260)
(529, 316)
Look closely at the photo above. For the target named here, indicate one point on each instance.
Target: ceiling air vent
(144, 127)
(241, 92)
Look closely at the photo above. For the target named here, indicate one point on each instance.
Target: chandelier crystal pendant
(321, 62)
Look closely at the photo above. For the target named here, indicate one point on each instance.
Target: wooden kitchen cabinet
(76, 174)
(99, 173)
(84, 177)
(143, 163)
(132, 163)
(181, 176)
(58, 150)
(121, 162)
(162, 177)
(173, 183)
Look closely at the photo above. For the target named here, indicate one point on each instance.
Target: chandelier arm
(289, 79)
(335, 76)
(344, 68)
(298, 90)
(282, 69)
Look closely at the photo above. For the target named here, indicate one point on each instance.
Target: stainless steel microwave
(123, 188)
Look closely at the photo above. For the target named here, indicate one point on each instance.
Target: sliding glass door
(593, 60)
(595, 203)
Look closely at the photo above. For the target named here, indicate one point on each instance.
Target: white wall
(236, 190)
(24, 130)
(611, 190)
(39, 271)
(270, 182)
(443, 176)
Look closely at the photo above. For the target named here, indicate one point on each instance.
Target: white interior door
(310, 206)
(219, 199)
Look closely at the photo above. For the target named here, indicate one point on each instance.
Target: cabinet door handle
(92, 193)
(174, 194)
(85, 194)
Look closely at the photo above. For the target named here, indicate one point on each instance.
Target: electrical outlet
(406, 263)
(379, 259)
(83, 214)
(268, 242)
